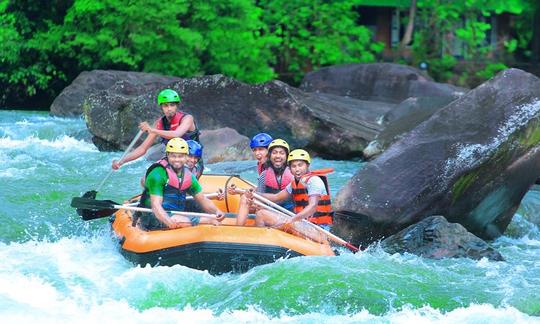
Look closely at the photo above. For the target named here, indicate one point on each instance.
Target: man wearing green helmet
(172, 124)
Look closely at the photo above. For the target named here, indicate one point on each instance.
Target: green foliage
(43, 46)
(314, 33)
(231, 33)
(180, 37)
(490, 70)
(121, 35)
(25, 67)
(463, 22)
(441, 68)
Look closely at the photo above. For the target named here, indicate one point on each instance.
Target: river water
(55, 267)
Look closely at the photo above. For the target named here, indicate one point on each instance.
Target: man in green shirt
(166, 184)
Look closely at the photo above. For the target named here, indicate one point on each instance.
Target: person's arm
(309, 210)
(136, 153)
(208, 206)
(159, 212)
(315, 188)
(196, 192)
(277, 197)
(185, 125)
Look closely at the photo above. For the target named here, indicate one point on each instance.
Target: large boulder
(385, 82)
(472, 162)
(224, 144)
(332, 126)
(69, 102)
(402, 119)
(434, 237)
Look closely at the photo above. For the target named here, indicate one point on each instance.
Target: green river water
(55, 267)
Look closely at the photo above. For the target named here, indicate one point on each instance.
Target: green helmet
(167, 95)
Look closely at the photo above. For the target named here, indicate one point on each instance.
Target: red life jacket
(324, 214)
(261, 167)
(271, 183)
(174, 193)
(164, 124)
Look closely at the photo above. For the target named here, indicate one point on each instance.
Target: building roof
(515, 7)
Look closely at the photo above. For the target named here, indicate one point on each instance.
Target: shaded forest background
(44, 45)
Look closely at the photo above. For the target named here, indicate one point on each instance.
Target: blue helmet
(195, 148)
(260, 140)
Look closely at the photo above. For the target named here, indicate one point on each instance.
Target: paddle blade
(90, 209)
(88, 214)
(90, 194)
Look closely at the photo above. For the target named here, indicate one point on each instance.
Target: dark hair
(268, 163)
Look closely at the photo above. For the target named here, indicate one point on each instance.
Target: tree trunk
(535, 42)
(407, 37)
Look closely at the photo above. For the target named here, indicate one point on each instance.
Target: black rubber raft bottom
(216, 257)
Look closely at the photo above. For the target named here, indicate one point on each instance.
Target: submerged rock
(330, 126)
(434, 237)
(472, 162)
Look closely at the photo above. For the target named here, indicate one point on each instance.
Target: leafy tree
(232, 34)
(25, 68)
(127, 35)
(443, 22)
(314, 33)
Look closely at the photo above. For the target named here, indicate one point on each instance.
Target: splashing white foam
(63, 143)
(473, 154)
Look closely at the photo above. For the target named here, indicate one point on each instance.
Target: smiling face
(260, 153)
(169, 109)
(191, 161)
(298, 168)
(278, 157)
(177, 160)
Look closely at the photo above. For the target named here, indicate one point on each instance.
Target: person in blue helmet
(259, 146)
(273, 179)
(194, 161)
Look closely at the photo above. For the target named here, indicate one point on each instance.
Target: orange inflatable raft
(217, 249)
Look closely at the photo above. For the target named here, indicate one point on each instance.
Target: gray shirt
(315, 187)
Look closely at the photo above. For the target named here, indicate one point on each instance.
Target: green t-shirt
(157, 179)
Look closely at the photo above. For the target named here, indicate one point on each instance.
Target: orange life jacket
(324, 213)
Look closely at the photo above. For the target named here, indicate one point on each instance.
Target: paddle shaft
(208, 195)
(174, 212)
(130, 146)
(281, 210)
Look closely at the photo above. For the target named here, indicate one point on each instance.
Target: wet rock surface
(70, 101)
(434, 237)
(471, 161)
(328, 126)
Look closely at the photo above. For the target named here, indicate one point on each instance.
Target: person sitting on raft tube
(166, 184)
(273, 179)
(172, 124)
(309, 192)
(259, 146)
(194, 161)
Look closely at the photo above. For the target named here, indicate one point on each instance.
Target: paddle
(93, 209)
(93, 193)
(278, 209)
